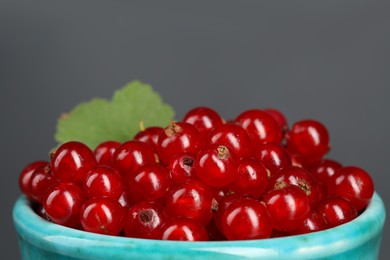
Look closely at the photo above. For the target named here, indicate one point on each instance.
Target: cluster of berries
(202, 179)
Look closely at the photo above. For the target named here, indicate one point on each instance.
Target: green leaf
(101, 120)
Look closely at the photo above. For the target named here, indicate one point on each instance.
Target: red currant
(103, 181)
(72, 161)
(102, 216)
(41, 181)
(309, 138)
(144, 220)
(273, 156)
(232, 136)
(287, 207)
(324, 170)
(252, 178)
(181, 168)
(261, 127)
(336, 211)
(25, 176)
(192, 199)
(216, 165)
(314, 221)
(63, 202)
(178, 137)
(353, 184)
(279, 117)
(105, 151)
(149, 135)
(149, 183)
(246, 219)
(183, 229)
(203, 118)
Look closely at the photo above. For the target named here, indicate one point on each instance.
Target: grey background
(327, 60)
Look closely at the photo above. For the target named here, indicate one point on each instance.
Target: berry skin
(182, 229)
(324, 170)
(181, 168)
(232, 136)
(203, 118)
(314, 221)
(105, 151)
(252, 178)
(102, 216)
(192, 199)
(72, 161)
(41, 181)
(261, 127)
(287, 207)
(149, 135)
(149, 183)
(25, 176)
(296, 176)
(246, 219)
(144, 220)
(216, 166)
(279, 118)
(63, 202)
(178, 137)
(131, 155)
(336, 211)
(353, 184)
(273, 156)
(103, 181)
(309, 138)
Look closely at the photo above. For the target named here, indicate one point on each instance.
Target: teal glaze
(40, 239)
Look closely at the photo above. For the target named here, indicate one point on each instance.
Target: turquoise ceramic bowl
(40, 239)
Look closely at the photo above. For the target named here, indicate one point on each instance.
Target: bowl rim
(72, 242)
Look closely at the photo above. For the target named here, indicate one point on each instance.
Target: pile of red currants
(201, 179)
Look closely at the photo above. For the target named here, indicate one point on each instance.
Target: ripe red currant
(261, 126)
(192, 199)
(181, 168)
(178, 137)
(336, 211)
(149, 135)
(144, 220)
(353, 184)
(183, 229)
(41, 181)
(105, 151)
(273, 156)
(246, 219)
(324, 170)
(25, 176)
(103, 181)
(309, 138)
(72, 161)
(279, 117)
(63, 202)
(102, 216)
(203, 118)
(216, 165)
(314, 221)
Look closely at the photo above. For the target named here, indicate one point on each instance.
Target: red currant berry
(105, 151)
(252, 178)
(63, 202)
(287, 207)
(336, 211)
(41, 181)
(149, 135)
(25, 176)
(309, 138)
(144, 220)
(124, 199)
(203, 118)
(353, 184)
(261, 127)
(181, 168)
(216, 165)
(183, 229)
(102, 216)
(314, 221)
(279, 117)
(72, 161)
(297, 176)
(149, 183)
(191, 199)
(131, 155)
(103, 181)
(246, 219)
(324, 170)
(222, 205)
(232, 136)
(178, 137)
(273, 156)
